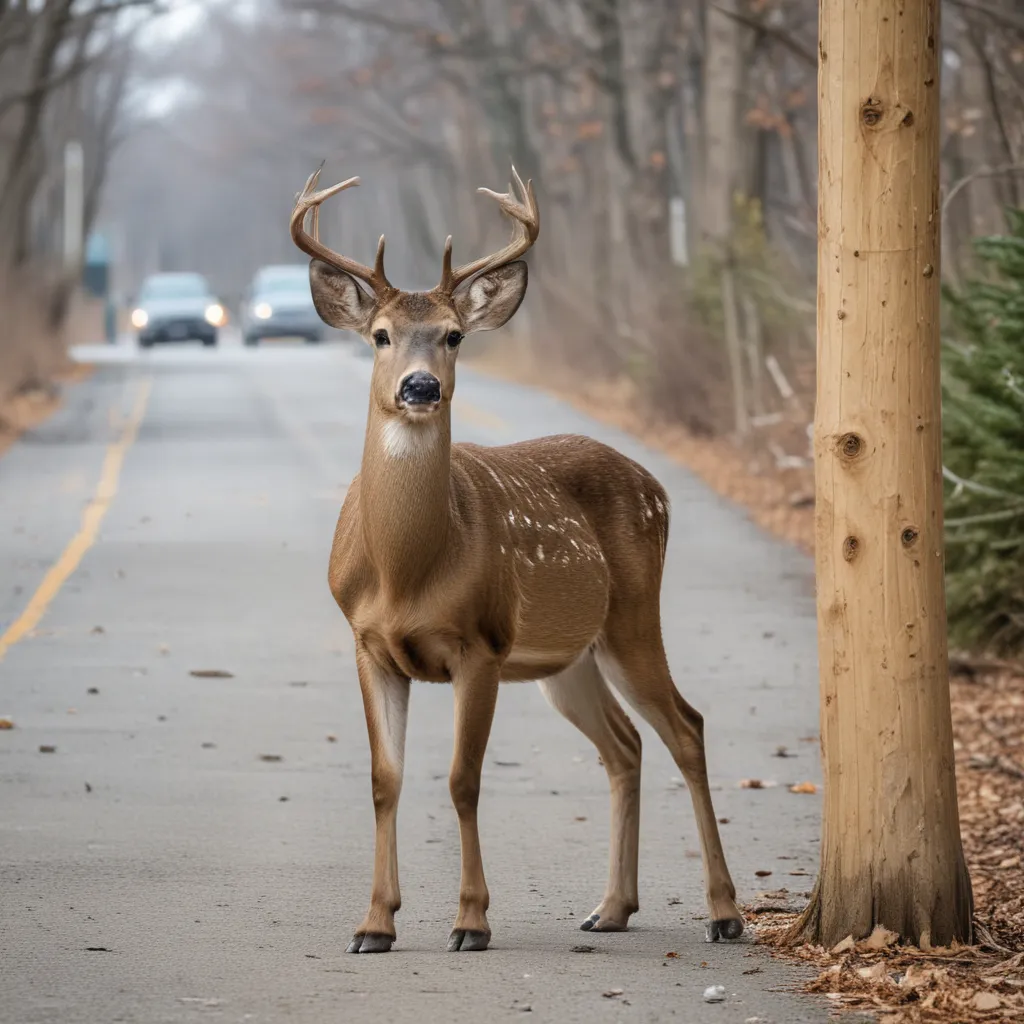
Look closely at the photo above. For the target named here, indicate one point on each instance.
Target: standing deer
(472, 566)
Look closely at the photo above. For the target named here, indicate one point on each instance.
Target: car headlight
(215, 314)
(139, 318)
(263, 310)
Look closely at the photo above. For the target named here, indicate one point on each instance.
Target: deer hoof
(727, 928)
(597, 923)
(468, 940)
(370, 942)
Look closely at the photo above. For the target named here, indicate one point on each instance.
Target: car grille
(179, 324)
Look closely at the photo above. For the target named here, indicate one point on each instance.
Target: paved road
(154, 868)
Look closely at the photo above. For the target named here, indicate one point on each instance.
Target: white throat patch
(403, 440)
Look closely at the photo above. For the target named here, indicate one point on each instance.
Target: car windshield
(285, 284)
(174, 286)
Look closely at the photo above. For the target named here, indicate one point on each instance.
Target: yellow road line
(478, 417)
(92, 517)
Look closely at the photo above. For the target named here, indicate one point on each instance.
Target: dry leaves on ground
(988, 728)
(905, 985)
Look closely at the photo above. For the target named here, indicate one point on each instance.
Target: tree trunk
(891, 851)
(722, 143)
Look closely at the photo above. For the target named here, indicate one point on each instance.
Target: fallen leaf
(880, 938)
(756, 784)
(762, 874)
(282, 799)
(208, 746)
(987, 1001)
(211, 673)
(843, 945)
(612, 993)
(672, 956)
(164, 649)
(723, 821)
(508, 764)
(331, 738)
(580, 817)
(271, 757)
(803, 787)
(782, 752)
(6, 723)
(876, 972)
(88, 788)
(47, 748)
(93, 690)
(98, 949)
(98, 629)
(583, 949)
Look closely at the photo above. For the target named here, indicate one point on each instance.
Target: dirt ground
(982, 983)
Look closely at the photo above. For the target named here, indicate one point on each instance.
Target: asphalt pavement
(198, 847)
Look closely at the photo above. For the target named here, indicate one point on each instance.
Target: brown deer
(472, 566)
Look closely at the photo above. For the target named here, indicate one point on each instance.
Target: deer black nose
(420, 388)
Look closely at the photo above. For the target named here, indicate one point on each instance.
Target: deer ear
(338, 298)
(492, 298)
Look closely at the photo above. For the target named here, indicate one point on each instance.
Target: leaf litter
(979, 984)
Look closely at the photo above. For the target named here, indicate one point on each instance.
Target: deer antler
(521, 205)
(309, 200)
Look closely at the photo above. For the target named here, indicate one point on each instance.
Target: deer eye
(453, 339)
(381, 339)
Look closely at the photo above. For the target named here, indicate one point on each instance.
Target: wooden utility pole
(891, 851)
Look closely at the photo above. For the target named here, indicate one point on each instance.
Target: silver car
(279, 304)
(177, 307)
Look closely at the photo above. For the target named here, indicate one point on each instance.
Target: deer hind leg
(476, 693)
(582, 696)
(639, 671)
(386, 703)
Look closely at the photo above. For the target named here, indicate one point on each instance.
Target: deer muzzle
(419, 388)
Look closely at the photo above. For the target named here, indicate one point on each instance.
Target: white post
(74, 191)
(677, 231)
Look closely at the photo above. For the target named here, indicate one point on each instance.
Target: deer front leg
(386, 703)
(476, 693)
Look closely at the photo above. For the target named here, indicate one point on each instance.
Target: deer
(470, 565)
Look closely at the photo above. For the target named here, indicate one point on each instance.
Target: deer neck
(404, 495)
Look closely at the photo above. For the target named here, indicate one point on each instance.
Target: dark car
(177, 307)
(279, 304)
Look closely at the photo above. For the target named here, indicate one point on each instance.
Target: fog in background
(672, 145)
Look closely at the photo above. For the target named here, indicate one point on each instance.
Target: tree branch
(793, 45)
